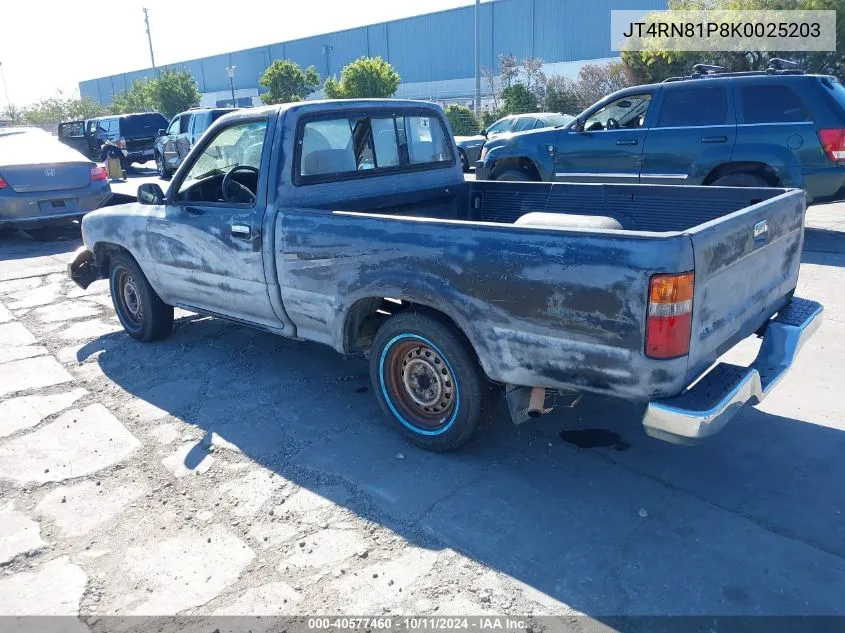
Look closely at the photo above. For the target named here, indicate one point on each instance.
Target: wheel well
(103, 252)
(518, 162)
(367, 315)
(762, 170)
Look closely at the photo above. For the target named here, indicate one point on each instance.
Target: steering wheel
(240, 188)
(611, 124)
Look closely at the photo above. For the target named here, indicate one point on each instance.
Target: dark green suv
(774, 128)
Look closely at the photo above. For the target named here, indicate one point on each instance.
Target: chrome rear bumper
(710, 404)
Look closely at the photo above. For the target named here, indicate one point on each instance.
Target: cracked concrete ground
(228, 471)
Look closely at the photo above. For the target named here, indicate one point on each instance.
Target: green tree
(137, 98)
(517, 99)
(365, 77)
(170, 93)
(653, 65)
(55, 110)
(174, 91)
(462, 120)
(286, 81)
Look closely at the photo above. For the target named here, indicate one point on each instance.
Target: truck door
(609, 144)
(695, 130)
(206, 238)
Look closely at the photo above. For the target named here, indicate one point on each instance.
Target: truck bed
(556, 307)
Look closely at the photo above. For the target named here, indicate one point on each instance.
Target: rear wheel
(429, 382)
(515, 175)
(141, 311)
(741, 179)
(161, 168)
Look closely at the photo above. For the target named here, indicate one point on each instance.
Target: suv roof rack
(775, 66)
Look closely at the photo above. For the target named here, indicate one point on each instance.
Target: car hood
(36, 149)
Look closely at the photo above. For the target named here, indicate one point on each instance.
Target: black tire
(161, 168)
(741, 179)
(464, 160)
(141, 311)
(428, 381)
(515, 175)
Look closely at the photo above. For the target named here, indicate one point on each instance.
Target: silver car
(469, 147)
(43, 182)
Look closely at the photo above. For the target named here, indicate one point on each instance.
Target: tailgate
(746, 269)
(47, 176)
(136, 144)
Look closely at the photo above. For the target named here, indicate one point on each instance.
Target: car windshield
(235, 146)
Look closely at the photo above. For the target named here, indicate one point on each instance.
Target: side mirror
(150, 193)
(483, 132)
(161, 132)
(578, 124)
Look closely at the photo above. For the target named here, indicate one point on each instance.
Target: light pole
(149, 38)
(230, 70)
(5, 89)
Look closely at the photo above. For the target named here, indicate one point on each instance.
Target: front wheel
(140, 310)
(428, 381)
(161, 168)
(515, 175)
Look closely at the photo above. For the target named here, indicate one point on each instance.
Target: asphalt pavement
(229, 471)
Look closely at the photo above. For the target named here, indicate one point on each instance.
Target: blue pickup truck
(779, 128)
(349, 223)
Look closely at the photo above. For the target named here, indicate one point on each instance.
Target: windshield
(239, 145)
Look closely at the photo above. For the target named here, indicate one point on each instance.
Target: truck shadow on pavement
(751, 522)
(823, 246)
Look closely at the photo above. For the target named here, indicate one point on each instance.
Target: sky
(50, 45)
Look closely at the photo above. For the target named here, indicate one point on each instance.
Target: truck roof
(324, 105)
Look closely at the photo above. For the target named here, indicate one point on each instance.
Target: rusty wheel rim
(421, 382)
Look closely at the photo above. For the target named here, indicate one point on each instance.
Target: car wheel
(141, 311)
(515, 175)
(464, 160)
(163, 173)
(740, 179)
(429, 382)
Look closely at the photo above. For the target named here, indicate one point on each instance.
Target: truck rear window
(142, 125)
(353, 144)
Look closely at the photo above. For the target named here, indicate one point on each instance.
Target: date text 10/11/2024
(482, 623)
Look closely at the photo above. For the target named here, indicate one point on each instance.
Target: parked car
(780, 128)
(469, 147)
(43, 182)
(349, 223)
(133, 134)
(185, 129)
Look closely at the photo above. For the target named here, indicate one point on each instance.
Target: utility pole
(149, 37)
(230, 70)
(477, 58)
(5, 89)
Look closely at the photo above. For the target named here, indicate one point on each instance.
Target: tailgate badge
(49, 172)
(760, 228)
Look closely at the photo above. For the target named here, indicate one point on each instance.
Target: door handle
(626, 141)
(714, 139)
(240, 230)
(193, 211)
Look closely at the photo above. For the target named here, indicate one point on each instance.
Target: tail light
(3, 183)
(669, 315)
(833, 142)
(121, 143)
(99, 173)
